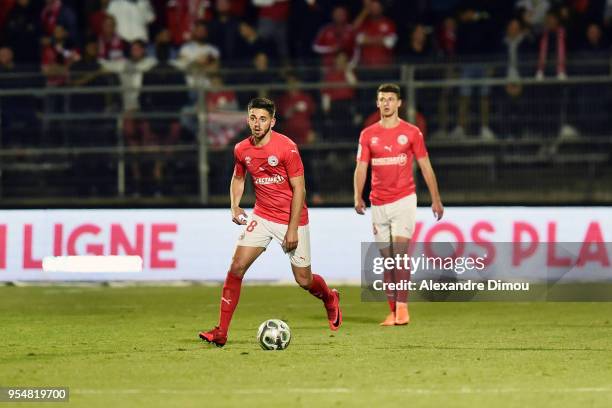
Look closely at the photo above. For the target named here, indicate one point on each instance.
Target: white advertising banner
(198, 244)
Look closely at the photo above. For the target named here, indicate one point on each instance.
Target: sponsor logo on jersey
(400, 160)
(375, 140)
(247, 160)
(275, 179)
(388, 148)
(273, 161)
(402, 139)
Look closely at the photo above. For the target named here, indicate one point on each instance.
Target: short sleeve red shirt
(390, 152)
(271, 166)
(376, 54)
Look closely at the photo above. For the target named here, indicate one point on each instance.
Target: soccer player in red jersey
(280, 213)
(389, 146)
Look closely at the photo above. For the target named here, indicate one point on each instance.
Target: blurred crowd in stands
(230, 33)
(209, 43)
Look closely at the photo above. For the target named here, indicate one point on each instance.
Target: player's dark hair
(389, 87)
(262, 103)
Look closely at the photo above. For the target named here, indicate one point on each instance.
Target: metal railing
(49, 154)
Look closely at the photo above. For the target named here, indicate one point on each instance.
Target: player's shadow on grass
(350, 319)
(361, 319)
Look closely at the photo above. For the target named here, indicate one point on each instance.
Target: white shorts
(259, 232)
(395, 219)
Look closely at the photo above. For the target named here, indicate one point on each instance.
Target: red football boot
(214, 336)
(334, 314)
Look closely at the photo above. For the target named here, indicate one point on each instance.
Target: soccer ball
(274, 334)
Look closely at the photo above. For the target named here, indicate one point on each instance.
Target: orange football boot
(402, 317)
(389, 320)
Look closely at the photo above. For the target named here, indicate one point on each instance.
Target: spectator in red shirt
(446, 37)
(97, 18)
(335, 37)
(338, 102)
(554, 36)
(110, 45)
(182, 15)
(225, 120)
(57, 56)
(219, 99)
(296, 109)
(376, 36)
(57, 13)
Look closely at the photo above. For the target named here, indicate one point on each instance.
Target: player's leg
(241, 261)
(382, 236)
(389, 277)
(313, 283)
(316, 286)
(403, 216)
(402, 274)
(243, 258)
(251, 243)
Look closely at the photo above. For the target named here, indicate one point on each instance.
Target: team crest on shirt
(402, 139)
(273, 161)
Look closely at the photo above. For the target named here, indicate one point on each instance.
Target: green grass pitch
(138, 347)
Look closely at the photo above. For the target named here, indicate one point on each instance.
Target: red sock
(319, 289)
(389, 277)
(229, 300)
(402, 275)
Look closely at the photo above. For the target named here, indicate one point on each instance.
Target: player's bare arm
(298, 185)
(359, 179)
(432, 185)
(236, 191)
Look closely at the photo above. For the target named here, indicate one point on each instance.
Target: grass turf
(138, 346)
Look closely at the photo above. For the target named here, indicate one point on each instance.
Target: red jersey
(390, 152)
(181, 16)
(219, 100)
(297, 109)
(110, 49)
(340, 93)
(277, 11)
(384, 28)
(333, 39)
(271, 166)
